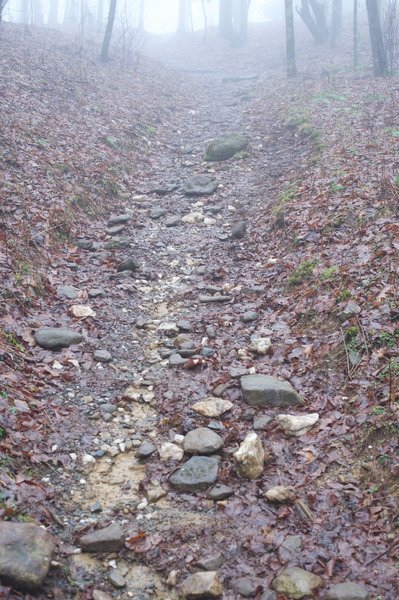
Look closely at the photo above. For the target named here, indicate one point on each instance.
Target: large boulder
(200, 185)
(55, 338)
(26, 551)
(196, 475)
(226, 146)
(264, 390)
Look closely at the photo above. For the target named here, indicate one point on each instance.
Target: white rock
(81, 311)
(57, 365)
(169, 451)
(209, 221)
(250, 457)
(143, 504)
(212, 407)
(168, 326)
(179, 439)
(281, 493)
(260, 345)
(194, 217)
(297, 425)
(73, 456)
(88, 459)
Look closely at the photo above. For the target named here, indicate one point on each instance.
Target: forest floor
(318, 189)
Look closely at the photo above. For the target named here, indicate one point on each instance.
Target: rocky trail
(204, 427)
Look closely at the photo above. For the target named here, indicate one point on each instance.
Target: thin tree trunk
(243, 20)
(205, 19)
(140, 25)
(336, 22)
(108, 32)
(53, 13)
(2, 6)
(315, 19)
(182, 18)
(226, 17)
(380, 63)
(355, 35)
(37, 12)
(290, 38)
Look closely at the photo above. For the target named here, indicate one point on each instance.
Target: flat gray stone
(119, 219)
(261, 423)
(249, 316)
(96, 292)
(226, 146)
(102, 356)
(156, 213)
(204, 584)
(264, 390)
(200, 185)
(196, 475)
(347, 591)
(268, 595)
(219, 492)
(176, 360)
(211, 563)
(108, 539)
(145, 450)
(173, 221)
(246, 586)
(55, 338)
(115, 230)
(67, 291)
(26, 551)
(129, 264)
(117, 579)
(202, 441)
(117, 243)
(184, 325)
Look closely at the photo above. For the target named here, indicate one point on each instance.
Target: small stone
(102, 356)
(155, 492)
(352, 309)
(85, 244)
(264, 390)
(249, 316)
(173, 221)
(26, 551)
(156, 213)
(115, 229)
(200, 185)
(108, 539)
(212, 407)
(247, 586)
(81, 311)
(117, 579)
(172, 578)
(67, 291)
(290, 548)
(216, 426)
(118, 219)
(192, 218)
(210, 331)
(202, 441)
(208, 352)
(169, 451)
(96, 292)
(184, 325)
(176, 360)
(347, 591)
(117, 243)
(96, 507)
(129, 264)
(296, 583)
(205, 299)
(219, 492)
(196, 475)
(250, 457)
(55, 338)
(239, 230)
(145, 450)
(261, 423)
(168, 327)
(297, 425)
(100, 595)
(211, 563)
(88, 459)
(281, 493)
(202, 585)
(268, 595)
(260, 345)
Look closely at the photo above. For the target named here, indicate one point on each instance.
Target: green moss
(303, 272)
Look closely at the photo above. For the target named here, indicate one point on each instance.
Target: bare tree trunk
(182, 18)
(71, 14)
(380, 63)
(336, 22)
(2, 6)
(290, 38)
(53, 13)
(313, 15)
(205, 19)
(226, 17)
(355, 35)
(243, 20)
(104, 56)
(37, 12)
(140, 24)
(25, 12)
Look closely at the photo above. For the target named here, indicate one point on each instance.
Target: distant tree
(2, 5)
(38, 18)
(390, 33)
(53, 13)
(71, 14)
(182, 16)
(226, 17)
(140, 20)
(380, 62)
(336, 22)
(355, 35)
(108, 32)
(100, 14)
(290, 38)
(313, 15)
(243, 10)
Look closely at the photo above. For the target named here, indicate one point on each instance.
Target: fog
(160, 16)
